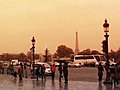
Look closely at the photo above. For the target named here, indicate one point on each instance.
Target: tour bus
(88, 59)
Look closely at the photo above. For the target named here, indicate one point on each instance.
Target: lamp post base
(107, 80)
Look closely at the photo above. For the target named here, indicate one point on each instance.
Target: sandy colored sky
(54, 22)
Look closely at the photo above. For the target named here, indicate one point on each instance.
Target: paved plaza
(7, 82)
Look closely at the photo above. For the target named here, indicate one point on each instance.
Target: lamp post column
(106, 30)
(33, 51)
(107, 80)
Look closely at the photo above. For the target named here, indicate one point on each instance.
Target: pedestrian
(11, 69)
(15, 75)
(114, 75)
(2, 68)
(53, 69)
(20, 72)
(60, 71)
(21, 65)
(37, 72)
(100, 72)
(25, 70)
(65, 72)
(43, 72)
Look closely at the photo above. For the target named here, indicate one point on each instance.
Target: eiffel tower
(76, 44)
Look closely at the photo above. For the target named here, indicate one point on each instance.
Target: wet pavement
(7, 82)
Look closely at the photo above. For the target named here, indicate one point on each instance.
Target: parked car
(6, 64)
(73, 64)
(47, 67)
(103, 63)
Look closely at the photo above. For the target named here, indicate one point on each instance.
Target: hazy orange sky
(54, 22)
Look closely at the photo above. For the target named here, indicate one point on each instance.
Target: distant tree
(86, 51)
(89, 52)
(29, 55)
(95, 52)
(6, 57)
(63, 51)
(55, 55)
(22, 57)
(116, 55)
(112, 54)
(37, 56)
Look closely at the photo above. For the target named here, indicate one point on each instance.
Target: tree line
(61, 52)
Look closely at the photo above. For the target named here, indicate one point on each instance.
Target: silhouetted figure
(114, 74)
(60, 71)
(25, 70)
(10, 69)
(53, 69)
(37, 72)
(20, 72)
(100, 72)
(21, 65)
(15, 74)
(65, 72)
(43, 72)
(2, 69)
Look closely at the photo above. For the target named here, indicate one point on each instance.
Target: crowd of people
(114, 73)
(22, 71)
(63, 72)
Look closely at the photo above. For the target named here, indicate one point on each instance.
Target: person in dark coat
(37, 72)
(20, 72)
(25, 70)
(114, 74)
(43, 72)
(100, 72)
(60, 71)
(21, 65)
(65, 72)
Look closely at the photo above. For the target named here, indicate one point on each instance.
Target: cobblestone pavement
(8, 83)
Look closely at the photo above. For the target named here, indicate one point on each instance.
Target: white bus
(88, 59)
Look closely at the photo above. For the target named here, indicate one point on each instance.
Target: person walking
(114, 75)
(43, 72)
(100, 72)
(37, 72)
(15, 75)
(21, 65)
(53, 69)
(60, 71)
(20, 72)
(65, 72)
(25, 70)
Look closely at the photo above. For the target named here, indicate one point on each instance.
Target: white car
(72, 64)
(47, 67)
(103, 63)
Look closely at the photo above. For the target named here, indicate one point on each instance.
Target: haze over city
(54, 22)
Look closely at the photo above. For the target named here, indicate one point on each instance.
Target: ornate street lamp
(106, 26)
(33, 50)
(106, 31)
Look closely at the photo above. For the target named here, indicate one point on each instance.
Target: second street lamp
(33, 50)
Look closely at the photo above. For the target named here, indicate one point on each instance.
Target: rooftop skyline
(54, 22)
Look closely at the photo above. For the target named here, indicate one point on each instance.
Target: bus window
(97, 58)
(84, 57)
